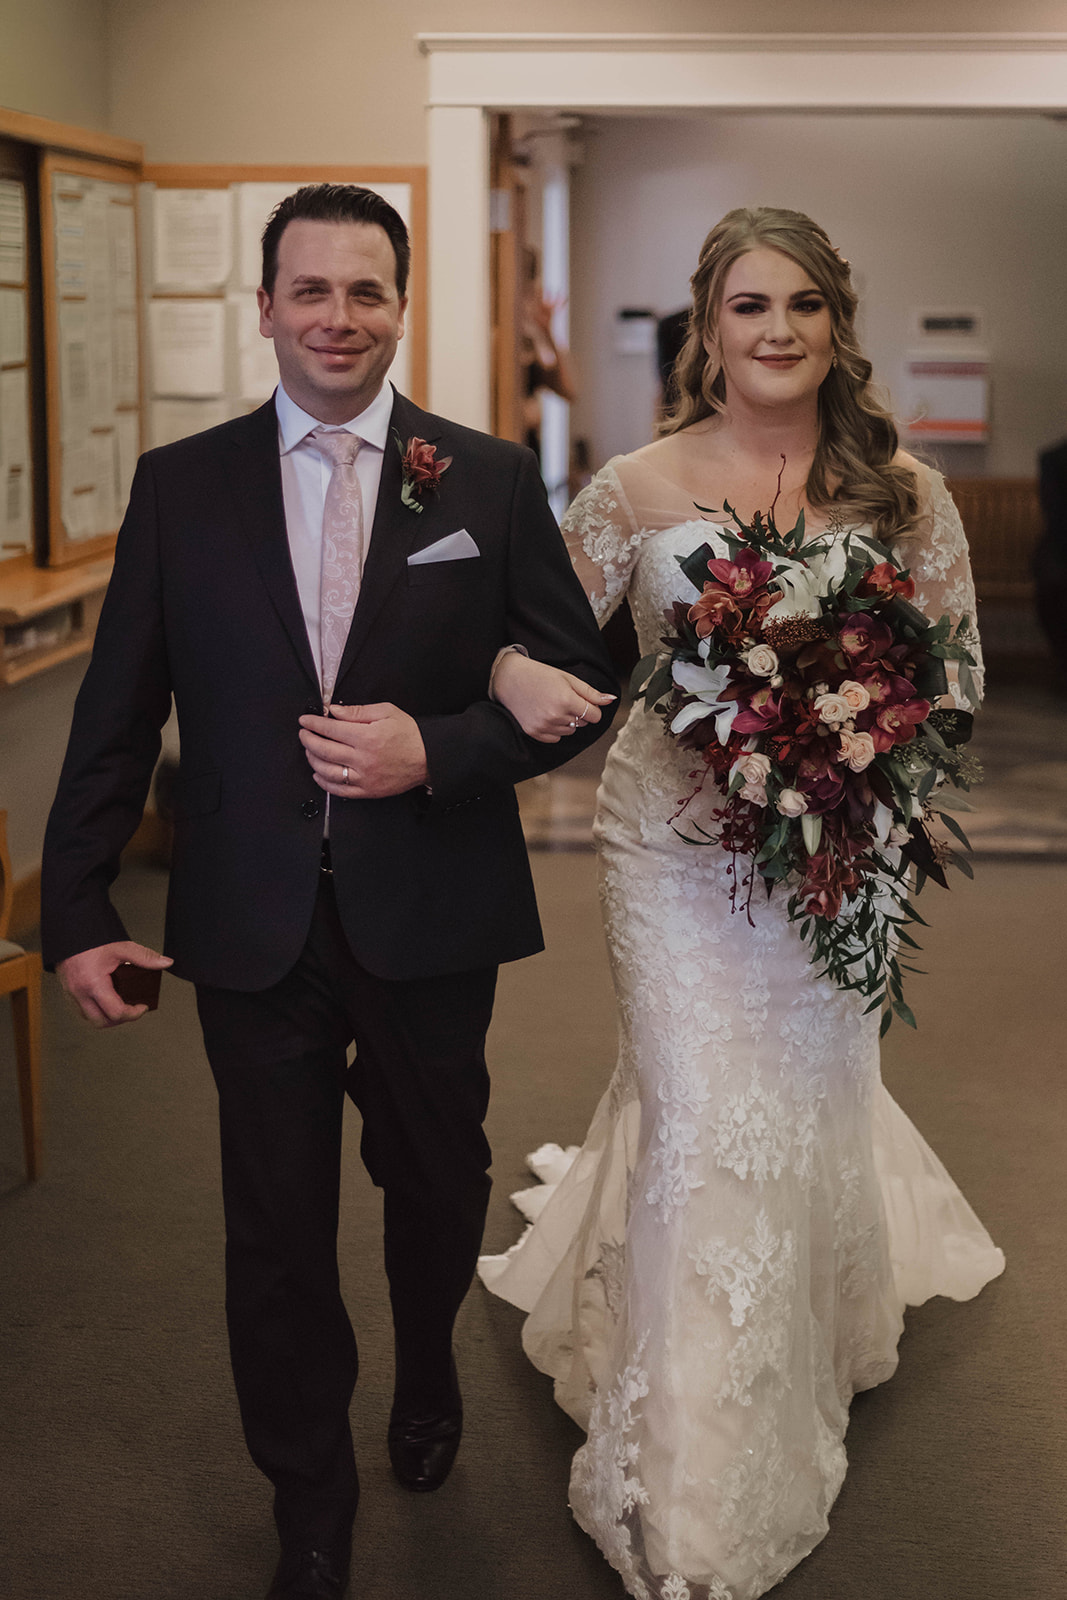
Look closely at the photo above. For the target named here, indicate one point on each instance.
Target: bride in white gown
(728, 1258)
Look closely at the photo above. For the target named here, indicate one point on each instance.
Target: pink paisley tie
(342, 550)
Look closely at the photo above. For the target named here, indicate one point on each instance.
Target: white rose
(857, 749)
(753, 767)
(898, 836)
(833, 708)
(791, 803)
(856, 695)
(762, 661)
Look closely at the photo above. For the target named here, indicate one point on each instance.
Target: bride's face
(774, 334)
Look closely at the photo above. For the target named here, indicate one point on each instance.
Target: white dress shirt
(305, 479)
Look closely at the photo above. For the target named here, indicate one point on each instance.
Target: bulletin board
(16, 466)
(201, 228)
(89, 264)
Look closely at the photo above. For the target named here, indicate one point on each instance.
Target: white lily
(707, 684)
(804, 582)
(800, 593)
(882, 822)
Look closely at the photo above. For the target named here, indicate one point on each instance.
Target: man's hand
(87, 979)
(364, 752)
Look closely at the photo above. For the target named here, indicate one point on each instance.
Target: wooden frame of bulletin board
(92, 350)
(200, 276)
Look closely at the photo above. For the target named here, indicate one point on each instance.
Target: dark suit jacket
(203, 606)
(1052, 481)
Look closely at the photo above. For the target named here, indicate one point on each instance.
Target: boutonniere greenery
(421, 472)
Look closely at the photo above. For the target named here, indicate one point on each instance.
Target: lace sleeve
(941, 567)
(603, 538)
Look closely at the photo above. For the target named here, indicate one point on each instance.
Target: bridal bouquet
(807, 682)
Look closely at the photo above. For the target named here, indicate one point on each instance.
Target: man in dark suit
(348, 863)
(1050, 557)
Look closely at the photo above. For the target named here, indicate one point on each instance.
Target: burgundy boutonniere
(420, 470)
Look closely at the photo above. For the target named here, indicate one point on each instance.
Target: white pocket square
(453, 547)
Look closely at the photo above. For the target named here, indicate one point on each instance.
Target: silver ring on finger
(583, 716)
(344, 774)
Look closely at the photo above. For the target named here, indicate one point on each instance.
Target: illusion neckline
(718, 522)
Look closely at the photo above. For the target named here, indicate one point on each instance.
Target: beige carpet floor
(122, 1473)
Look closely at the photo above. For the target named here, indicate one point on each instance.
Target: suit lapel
(255, 479)
(395, 531)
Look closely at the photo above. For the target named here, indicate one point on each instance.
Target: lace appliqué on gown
(727, 1260)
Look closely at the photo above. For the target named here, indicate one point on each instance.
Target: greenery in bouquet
(809, 687)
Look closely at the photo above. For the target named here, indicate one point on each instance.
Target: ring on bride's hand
(582, 718)
(344, 774)
(574, 724)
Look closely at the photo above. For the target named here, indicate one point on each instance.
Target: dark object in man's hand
(138, 986)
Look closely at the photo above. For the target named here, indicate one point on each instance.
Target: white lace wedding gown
(727, 1260)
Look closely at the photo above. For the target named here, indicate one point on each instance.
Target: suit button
(311, 709)
(310, 809)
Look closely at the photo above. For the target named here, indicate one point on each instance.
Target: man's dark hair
(336, 202)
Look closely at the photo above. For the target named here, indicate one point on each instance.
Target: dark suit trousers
(420, 1081)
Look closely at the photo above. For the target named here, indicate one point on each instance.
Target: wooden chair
(20, 977)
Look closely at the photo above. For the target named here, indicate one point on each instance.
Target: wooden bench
(1002, 519)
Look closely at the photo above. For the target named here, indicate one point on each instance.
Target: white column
(556, 280)
(459, 264)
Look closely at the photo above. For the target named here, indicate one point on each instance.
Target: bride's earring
(833, 360)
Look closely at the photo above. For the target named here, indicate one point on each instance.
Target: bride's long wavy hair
(853, 463)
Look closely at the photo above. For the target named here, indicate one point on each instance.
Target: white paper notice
(122, 241)
(16, 511)
(73, 370)
(15, 417)
(187, 347)
(78, 488)
(179, 419)
(72, 243)
(97, 245)
(103, 455)
(257, 367)
(16, 505)
(193, 238)
(127, 450)
(125, 371)
(101, 369)
(12, 231)
(12, 327)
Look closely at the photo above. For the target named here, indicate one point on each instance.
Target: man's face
(334, 315)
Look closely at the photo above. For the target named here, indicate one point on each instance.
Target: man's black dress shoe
(423, 1448)
(309, 1575)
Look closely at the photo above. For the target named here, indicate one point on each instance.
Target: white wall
(343, 81)
(53, 59)
(931, 211)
